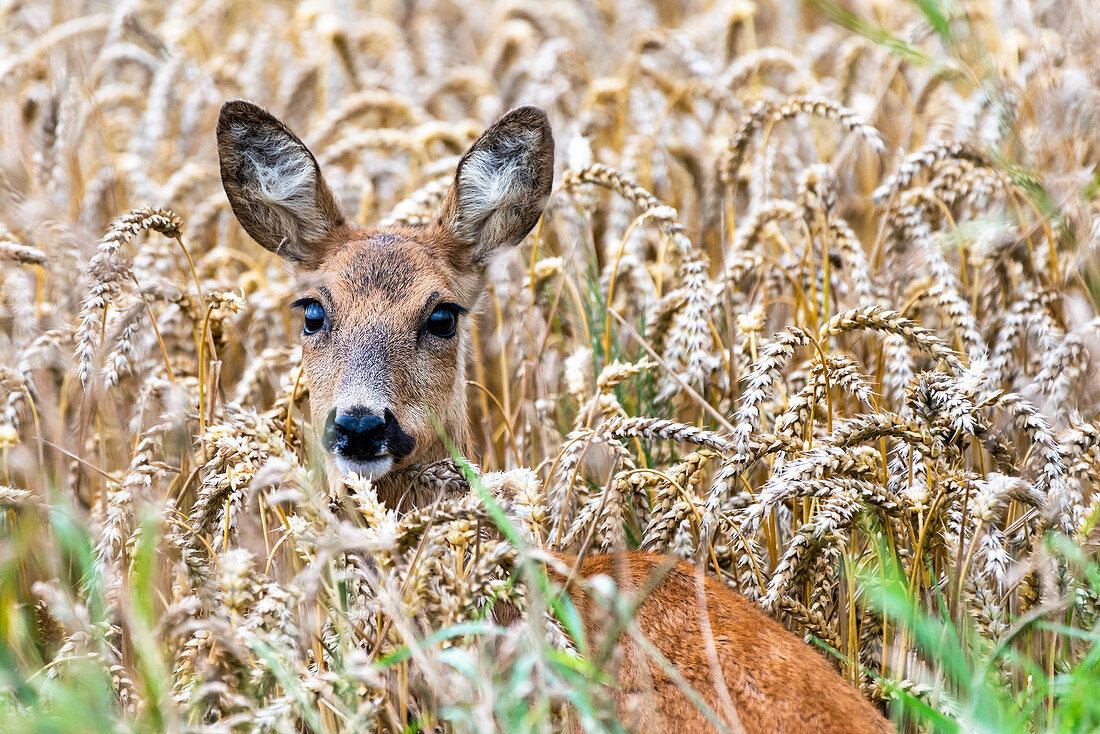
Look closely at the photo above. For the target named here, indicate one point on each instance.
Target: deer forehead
(378, 273)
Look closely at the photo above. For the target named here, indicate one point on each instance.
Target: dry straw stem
(15, 251)
(388, 105)
(104, 274)
(921, 160)
(764, 114)
(751, 233)
(626, 187)
(758, 61)
(666, 430)
(17, 499)
(893, 323)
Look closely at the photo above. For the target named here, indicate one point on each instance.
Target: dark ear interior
(274, 184)
(501, 186)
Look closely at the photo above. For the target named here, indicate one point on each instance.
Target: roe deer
(384, 343)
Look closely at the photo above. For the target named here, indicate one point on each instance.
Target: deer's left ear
(500, 187)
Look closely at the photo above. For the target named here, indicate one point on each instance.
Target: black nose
(355, 434)
(360, 427)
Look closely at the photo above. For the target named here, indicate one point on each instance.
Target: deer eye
(443, 321)
(314, 316)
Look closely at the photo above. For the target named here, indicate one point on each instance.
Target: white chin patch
(372, 469)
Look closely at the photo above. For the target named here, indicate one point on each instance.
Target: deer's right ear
(274, 184)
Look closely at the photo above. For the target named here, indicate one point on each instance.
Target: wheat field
(813, 304)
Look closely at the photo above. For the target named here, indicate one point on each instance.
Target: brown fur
(776, 682)
(376, 287)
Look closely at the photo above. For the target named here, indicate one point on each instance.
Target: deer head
(385, 311)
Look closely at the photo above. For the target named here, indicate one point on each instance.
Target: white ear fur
(285, 176)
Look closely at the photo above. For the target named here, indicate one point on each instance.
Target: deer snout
(365, 442)
(363, 434)
(358, 433)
